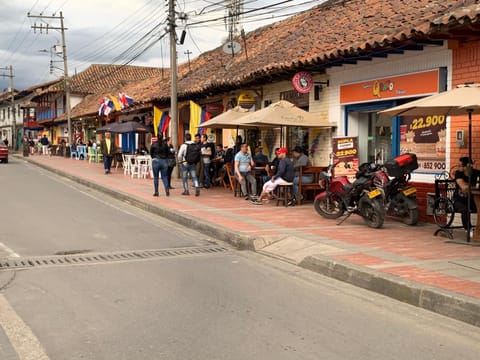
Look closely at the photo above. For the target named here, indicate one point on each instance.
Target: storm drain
(106, 257)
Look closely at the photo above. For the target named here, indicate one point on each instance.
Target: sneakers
(155, 194)
(185, 193)
(292, 202)
(256, 202)
(197, 191)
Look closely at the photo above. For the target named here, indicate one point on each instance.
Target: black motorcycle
(360, 197)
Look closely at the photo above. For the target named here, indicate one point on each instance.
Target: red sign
(302, 82)
(423, 83)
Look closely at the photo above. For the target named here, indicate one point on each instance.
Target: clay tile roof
(98, 77)
(330, 31)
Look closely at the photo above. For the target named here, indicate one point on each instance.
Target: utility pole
(173, 73)
(188, 53)
(14, 110)
(62, 29)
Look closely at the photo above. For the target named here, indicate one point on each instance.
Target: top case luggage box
(401, 165)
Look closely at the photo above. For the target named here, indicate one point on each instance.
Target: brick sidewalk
(405, 253)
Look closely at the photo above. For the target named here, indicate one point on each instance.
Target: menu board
(345, 150)
(425, 136)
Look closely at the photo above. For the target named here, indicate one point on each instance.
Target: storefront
(382, 137)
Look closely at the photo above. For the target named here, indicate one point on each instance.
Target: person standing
(108, 150)
(171, 161)
(44, 141)
(159, 152)
(243, 172)
(185, 157)
(208, 150)
(25, 146)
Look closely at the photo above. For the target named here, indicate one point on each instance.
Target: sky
(119, 32)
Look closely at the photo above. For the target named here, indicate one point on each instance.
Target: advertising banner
(425, 136)
(345, 150)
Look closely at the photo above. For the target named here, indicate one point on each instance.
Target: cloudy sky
(118, 32)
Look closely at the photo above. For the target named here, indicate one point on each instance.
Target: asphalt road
(223, 305)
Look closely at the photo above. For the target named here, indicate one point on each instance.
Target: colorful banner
(195, 117)
(425, 136)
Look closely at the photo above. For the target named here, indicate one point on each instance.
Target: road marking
(9, 251)
(20, 335)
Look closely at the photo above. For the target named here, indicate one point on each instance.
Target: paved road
(199, 305)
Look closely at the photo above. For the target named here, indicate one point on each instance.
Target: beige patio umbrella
(284, 113)
(225, 120)
(462, 100)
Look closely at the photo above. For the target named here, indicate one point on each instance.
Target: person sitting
(284, 174)
(460, 196)
(259, 156)
(299, 160)
(243, 172)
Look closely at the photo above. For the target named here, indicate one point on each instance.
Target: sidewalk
(404, 262)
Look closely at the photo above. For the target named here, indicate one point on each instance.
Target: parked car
(3, 152)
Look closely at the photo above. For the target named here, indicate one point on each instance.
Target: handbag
(171, 162)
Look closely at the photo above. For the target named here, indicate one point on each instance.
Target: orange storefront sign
(423, 83)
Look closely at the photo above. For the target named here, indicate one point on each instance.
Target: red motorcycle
(360, 197)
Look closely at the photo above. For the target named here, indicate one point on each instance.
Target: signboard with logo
(302, 82)
(345, 150)
(404, 86)
(426, 137)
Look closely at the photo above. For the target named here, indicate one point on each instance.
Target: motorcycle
(360, 197)
(399, 195)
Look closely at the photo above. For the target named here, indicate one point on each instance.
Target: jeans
(189, 169)
(206, 175)
(243, 185)
(460, 205)
(160, 166)
(107, 162)
(306, 179)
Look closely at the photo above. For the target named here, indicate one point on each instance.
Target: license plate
(409, 191)
(374, 193)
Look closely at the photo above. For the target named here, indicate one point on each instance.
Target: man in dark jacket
(284, 174)
(159, 152)
(108, 150)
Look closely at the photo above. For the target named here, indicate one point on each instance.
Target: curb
(239, 241)
(455, 306)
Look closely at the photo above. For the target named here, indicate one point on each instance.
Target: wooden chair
(231, 178)
(314, 186)
(283, 191)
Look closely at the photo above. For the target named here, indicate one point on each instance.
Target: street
(202, 304)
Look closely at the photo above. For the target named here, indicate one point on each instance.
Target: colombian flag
(204, 117)
(161, 120)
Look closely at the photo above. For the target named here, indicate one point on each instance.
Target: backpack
(192, 155)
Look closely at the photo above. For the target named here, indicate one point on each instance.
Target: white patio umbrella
(462, 100)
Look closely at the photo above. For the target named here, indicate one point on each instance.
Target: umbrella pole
(469, 169)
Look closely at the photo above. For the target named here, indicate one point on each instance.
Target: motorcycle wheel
(329, 207)
(411, 218)
(372, 211)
